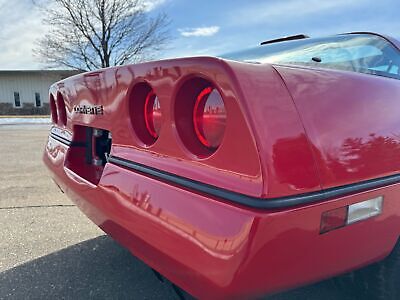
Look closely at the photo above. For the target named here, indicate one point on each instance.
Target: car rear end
(213, 173)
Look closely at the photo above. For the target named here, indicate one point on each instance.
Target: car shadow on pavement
(94, 269)
(325, 290)
(100, 269)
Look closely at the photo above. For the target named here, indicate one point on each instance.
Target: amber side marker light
(347, 215)
(209, 117)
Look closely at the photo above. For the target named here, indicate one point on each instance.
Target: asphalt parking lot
(50, 250)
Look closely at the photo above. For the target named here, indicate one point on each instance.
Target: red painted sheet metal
(217, 250)
(352, 121)
(110, 87)
(285, 153)
(265, 151)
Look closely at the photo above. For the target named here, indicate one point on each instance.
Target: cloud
(21, 26)
(152, 4)
(199, 31)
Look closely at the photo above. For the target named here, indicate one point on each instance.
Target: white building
(26, 92)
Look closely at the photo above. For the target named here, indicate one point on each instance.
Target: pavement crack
(37, 206)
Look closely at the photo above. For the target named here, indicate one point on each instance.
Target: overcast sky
(214, 27)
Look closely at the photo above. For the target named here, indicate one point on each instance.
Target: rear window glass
(363, 53)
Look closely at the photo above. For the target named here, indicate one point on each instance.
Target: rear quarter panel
(352, 121)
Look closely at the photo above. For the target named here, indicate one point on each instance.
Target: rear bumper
(214, 249)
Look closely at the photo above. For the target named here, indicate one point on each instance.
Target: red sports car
(244, 175)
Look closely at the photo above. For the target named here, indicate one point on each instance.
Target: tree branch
(98, 33)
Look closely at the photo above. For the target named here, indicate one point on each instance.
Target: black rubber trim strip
(263, 203)
(66, 141)
(60, 139)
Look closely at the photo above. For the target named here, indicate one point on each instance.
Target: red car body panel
(214, 249)
(275, 146)
(286, 176)
(351, 120)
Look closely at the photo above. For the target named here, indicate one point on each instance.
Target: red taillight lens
(152, 114)
(53, 109)
(334, 219)
(209, 117)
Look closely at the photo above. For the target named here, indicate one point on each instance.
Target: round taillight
(209, 117)
(61, 110)
(145, 113)
(152, 114)
(53, 109)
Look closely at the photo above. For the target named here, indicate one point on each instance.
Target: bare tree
(92, 34)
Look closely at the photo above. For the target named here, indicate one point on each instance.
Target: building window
(17, 99)
(38, 103)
